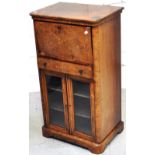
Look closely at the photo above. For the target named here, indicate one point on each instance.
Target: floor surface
(40, 145)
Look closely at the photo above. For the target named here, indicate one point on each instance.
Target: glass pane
(55, 100)
(82, 107)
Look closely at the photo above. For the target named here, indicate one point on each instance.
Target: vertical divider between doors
(70, 104)
(65, 101)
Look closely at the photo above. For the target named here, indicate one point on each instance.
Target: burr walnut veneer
(78, 54)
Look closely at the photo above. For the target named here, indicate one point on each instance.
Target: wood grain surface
(107, 76)
(65, 67)
(82, 42)
(64, 42)
(75, 12)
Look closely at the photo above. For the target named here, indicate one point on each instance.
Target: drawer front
(64, 42)
(65, 67)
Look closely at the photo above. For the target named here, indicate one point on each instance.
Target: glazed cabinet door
(54, 101)
(81, 108)
(68, 104)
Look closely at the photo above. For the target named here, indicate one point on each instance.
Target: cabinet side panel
(107, 76)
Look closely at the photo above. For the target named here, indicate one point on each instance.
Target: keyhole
(59, 29)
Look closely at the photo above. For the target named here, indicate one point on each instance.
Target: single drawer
(65, 67)
(64, 42)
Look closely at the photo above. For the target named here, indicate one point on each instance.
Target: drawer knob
(44, 64)
(86, 32)
(81, 72)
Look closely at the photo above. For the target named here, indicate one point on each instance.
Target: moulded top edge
(76, 13)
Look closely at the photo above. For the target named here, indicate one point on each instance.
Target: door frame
(45, 107)
(71, 107)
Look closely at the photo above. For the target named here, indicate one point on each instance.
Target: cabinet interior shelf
(59, 119)
(83, 125)
(81, 103)
(80, 91)
(55, 99)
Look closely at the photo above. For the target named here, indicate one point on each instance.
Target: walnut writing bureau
(79, 63)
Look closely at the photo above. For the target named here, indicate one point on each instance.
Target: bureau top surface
(75, 12)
